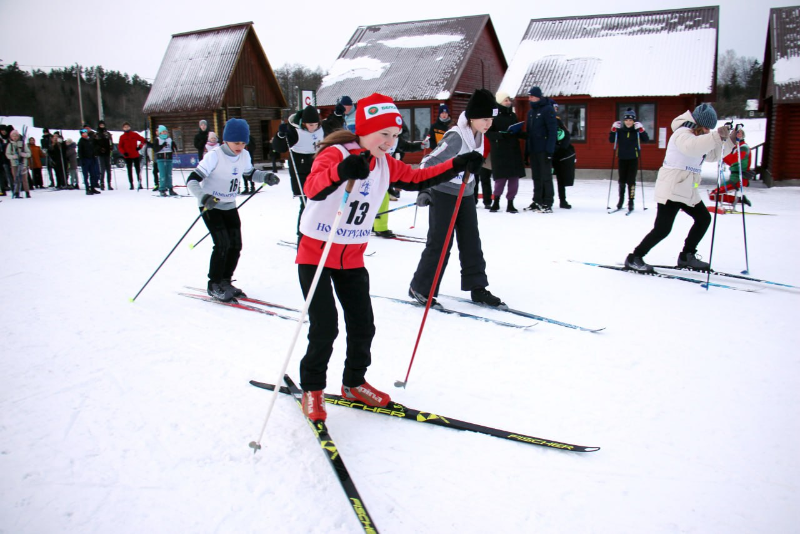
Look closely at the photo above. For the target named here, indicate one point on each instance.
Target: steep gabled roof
(196, 69)
(420, 60)
(782, 57)
(655, 53)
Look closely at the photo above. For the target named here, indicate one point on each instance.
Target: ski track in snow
(130, 418)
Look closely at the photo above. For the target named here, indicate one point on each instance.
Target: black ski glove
(471, 161)
(424, 198)
(265, 177)
(209, 202)
(355, 167)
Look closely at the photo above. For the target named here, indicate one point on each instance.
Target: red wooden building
(419, 64)
(780, 96)
(215, 74)
(661, 63)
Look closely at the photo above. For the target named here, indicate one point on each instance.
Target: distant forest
(51, 98)
(738, 80)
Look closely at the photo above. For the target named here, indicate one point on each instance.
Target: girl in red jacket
(360, 157)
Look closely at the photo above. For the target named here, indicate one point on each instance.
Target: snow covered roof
(420, 60)
(655, 53)
(196, 69)
(784, 46)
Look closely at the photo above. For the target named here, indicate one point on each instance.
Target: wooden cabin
(213, 75)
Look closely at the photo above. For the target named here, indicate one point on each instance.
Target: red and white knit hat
(376, 112)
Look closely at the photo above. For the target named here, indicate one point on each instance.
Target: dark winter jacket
(46, 141)
(103, 143)
(57, 155)
(86, 148)
(404, 145)
(627, 141)
(542, 128)
(331, 123)
(506, 154)
(438, 129)
(200, 139)
(564, 156)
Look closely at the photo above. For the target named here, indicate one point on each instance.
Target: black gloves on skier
(283, 129)
(265, 177)
(424, 198)
(355, 167)
(471, 161)
(209, 202)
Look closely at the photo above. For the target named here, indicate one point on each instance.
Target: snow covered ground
(130, 418)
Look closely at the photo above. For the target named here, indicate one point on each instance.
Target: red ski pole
(402, 384)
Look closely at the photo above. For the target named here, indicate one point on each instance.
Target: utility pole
(98, 74)
(80, 100)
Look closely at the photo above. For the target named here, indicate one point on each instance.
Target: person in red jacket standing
(359, 157)
(739, 162)
(130, 143)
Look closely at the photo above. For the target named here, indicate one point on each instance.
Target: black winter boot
(562, 203)
(226, 284)
(688, 260)
(216, 291)
(495, 205)
(511, 208)
(636, 263)
(621, 195)
(482, 295)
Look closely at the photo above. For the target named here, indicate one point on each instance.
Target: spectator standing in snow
(628, 135)
(349, 113)
(163, 148)
(362, 159)
(506, 155)
(738, 172)
(58, 160)
(18, 156)
(130, 145)
(35, 163)
(105, 145)
(215, 183)
(86, 153)
(6, 178)
(301, 136)
(694, 141)
(466, 137)
(200, 140)
(563, 161)
(440, 126)
(46, 137)
(211, 144)
(542, 135)
(71, 154)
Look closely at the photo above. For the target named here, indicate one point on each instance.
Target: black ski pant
(226, 232)
(542, 173)
(470, 253)
(665, 217)
(627, 176)
(135, 163)
(104, 164)
(352, 290)
(485, 181)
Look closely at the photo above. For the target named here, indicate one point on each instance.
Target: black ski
(615, 211)
(403, 237)
(665, 275)
(456, 312)
(628, 212)
(335, 459)
(526, 314)
(400, 411)
(235, 304)
(727, 275)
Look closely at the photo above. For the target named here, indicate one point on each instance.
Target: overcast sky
(132, 38)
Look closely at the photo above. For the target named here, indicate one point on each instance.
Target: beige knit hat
(501, 97)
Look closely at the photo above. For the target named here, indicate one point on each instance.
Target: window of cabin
(249, 96)
(177, 138)
(574, 118)
(645, 113)
(418, 121)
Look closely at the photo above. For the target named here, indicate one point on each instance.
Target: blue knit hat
(535, 91)
(236, 131)
(346, 101)
(629, 114)
(705, 115)
(162, 128)
(444, 109)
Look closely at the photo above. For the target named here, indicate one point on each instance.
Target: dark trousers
(470, 254)
(136, 164)
(542, 172)
(352, 290)
(627, 176)
(37, 178)
(485, 182)
(91, 178)
(105, 168)
(226, 232)
(665, 217)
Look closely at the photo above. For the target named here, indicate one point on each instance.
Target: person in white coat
(696, 139)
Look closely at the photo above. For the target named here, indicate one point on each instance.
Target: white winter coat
(679, 177)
